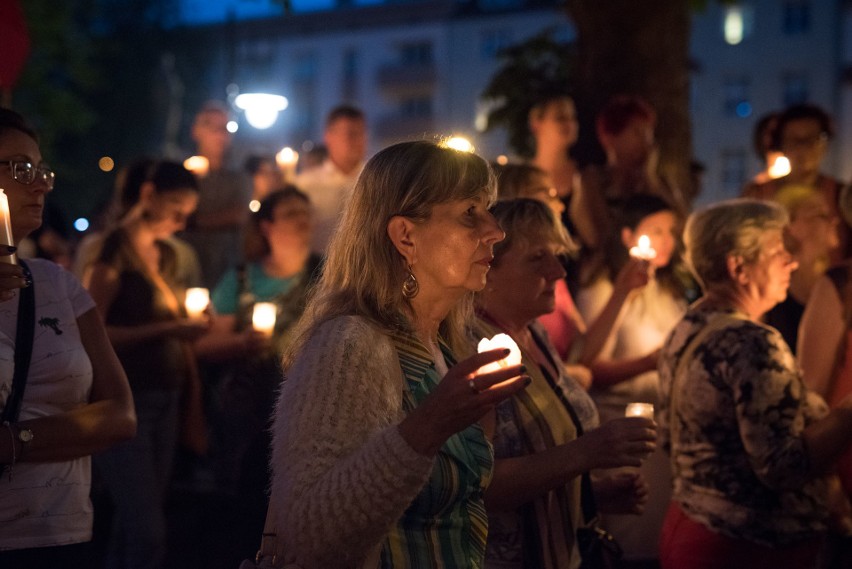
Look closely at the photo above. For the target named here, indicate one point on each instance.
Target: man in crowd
(330, 184)
(215, 231)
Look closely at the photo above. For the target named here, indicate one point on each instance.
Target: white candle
(639, 410)
(198, 165)
(196, 302)
(500, 341)
(780, 167)
(287, 160)
(263, 317)
(5, 223)
(643, 249)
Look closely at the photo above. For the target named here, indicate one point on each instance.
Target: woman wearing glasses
(74, 399)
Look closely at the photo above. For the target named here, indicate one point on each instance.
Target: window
(733, 170)
(350, 75)
(795, 88)
(736, 98)
(796, 17)
(416, 108)
(493, 41)
(737, 23)
(305, 68)
(419, 53)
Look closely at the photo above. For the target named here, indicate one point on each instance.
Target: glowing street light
(261, 108)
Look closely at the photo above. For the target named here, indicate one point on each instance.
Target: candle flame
(500, 341)
(197, 300)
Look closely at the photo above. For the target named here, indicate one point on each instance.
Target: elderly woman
(72, 401)
(576, 343)
(377, 455)
(534, 501)
(749, 444)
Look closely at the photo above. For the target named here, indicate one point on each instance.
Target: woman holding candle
(534, 501)
(625, 370)
(75, 400)
(377, 454)
(750, 445)
(133, 286)
(278, 276)
(577, 343)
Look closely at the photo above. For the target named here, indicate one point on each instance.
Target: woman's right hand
(625, 441)
(254, 342)
(461, 399)
(189, 328)
(635, 274)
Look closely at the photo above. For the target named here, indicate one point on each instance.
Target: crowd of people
(666, 388)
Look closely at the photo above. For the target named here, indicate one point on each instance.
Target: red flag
(14, 42)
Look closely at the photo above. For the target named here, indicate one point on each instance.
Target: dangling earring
(410, 287)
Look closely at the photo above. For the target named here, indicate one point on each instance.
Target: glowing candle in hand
(639, 410)
(263, 317)
(497, 342)
(643, 249)
(287, 160)
(197, 300)
(5, 222)
(198, 165)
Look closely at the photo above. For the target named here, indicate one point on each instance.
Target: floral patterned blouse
(739, 460)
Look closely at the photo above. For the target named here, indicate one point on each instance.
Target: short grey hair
(731, 227)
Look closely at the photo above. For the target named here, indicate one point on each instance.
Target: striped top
(446, 525)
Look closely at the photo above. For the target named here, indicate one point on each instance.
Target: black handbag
(598, 548)
(23, 353)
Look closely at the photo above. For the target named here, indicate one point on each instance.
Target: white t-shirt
(47, 503)
(328, 188)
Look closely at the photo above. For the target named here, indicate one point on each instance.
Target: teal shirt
(264, 288)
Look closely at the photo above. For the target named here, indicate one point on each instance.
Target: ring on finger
(472, 386)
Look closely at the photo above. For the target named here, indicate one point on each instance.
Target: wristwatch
(25, 436)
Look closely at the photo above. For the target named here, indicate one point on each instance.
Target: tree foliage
(532, 71)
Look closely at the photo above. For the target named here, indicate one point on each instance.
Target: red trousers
(687, 544)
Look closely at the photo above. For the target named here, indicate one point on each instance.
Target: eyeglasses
(26, 172)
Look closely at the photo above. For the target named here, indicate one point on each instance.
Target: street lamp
(261, 108)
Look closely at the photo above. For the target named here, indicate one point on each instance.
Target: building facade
(417, 69)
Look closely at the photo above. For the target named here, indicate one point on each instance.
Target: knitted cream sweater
(342, 473)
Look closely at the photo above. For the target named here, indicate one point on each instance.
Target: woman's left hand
(11, 279)
(462, 398)
(621, 493)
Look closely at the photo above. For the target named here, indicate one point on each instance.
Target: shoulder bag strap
(23, 348)
(587, 495)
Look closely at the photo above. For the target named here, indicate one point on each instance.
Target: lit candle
(287, 160)
(196, 302)
(639, 410)
(779, 167)
(198, 165)
(643, 249)
(497, 342)
(263, 317)
(6, 222)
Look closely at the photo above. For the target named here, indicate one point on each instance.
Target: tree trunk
(636, 47)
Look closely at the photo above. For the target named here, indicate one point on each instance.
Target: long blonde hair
(364, 272)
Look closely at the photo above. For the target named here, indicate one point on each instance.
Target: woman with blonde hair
(547, 437)
(812, 238)
(377, 457)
